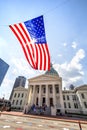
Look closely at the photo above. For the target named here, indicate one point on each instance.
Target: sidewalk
(60, 118)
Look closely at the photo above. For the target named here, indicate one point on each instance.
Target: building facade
(75, 101)
(20, 81)
(47, 89)
(3, 69)
(19, 97)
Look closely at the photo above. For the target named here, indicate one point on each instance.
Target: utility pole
(80, 126)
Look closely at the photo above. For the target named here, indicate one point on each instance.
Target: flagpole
(80, 126)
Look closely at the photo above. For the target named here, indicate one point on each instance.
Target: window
(37, 89)
(69, 105)
(37, 101)
(67, 97)
(51, 90)
(51, 101)
(43, 100)
(75, 105)
(44, 90)
(15, 94)
(57, 88)
(85, 104)
(17, 102)
(18, 94)
(22, 95)
(21, 102)
(74, 97)
(13, 102)
(82, 95)
(64, 104)
(63, 97)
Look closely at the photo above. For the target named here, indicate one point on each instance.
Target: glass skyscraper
(3, 69)
(20, 81)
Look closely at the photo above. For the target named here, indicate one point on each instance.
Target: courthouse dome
(52, 71)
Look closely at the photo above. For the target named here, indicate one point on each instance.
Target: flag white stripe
(38, 56)
(42, 65)
(27, 42)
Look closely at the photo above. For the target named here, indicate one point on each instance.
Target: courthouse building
(47, 89)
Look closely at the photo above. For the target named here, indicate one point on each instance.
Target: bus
(5, 105)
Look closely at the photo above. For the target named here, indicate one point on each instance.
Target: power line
(51, 10)
(58, 6)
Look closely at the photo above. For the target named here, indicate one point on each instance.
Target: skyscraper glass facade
(3, 69)
(20, 81)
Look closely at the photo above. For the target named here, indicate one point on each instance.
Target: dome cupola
(52, 71)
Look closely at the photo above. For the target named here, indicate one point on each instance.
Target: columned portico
(47, 90)
(40, 98)
(54, 96)
(33, 93)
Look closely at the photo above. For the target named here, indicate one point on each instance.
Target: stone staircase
(39, 111)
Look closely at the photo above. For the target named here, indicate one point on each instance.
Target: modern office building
(3, 69)
(20, 81)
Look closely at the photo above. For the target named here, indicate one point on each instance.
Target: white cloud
(65, 44)
(21, 67)
(5, 88)
(2, 42)
(72, 72)
(74, 45)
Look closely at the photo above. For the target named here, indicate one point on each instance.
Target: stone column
(54, 96)
(47, 96)
(33, 95)
(61, 97)
(40, 98)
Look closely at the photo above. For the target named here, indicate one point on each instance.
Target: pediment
(83, 87)
(45, 78)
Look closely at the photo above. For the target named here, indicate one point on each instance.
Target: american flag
(31, 35)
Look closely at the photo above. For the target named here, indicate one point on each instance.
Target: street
(13, 122)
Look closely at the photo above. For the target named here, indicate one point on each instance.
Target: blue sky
(66, 33)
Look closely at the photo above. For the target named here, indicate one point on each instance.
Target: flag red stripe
(31, 57)
(19, 41)
(28, 59)
(48, 56)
